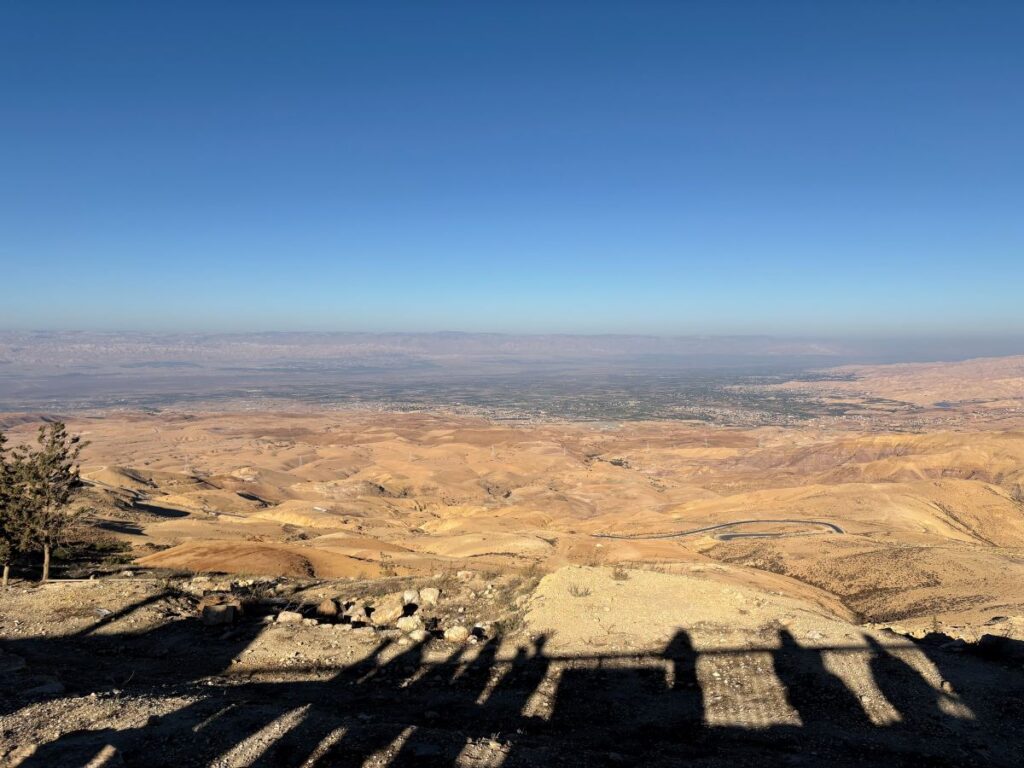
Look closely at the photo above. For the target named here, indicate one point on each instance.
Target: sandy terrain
(604, 593)
(996, 382)
(915, 530)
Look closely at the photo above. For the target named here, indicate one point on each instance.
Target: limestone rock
(216, 615)
(410, 597)
(409, 624)
(289, 617)
(456, 634)
(357, 614)
(327, 609)
(429, 596)
(387, 611)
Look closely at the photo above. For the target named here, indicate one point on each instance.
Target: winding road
(830, 526)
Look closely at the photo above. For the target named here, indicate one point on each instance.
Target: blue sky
(658, 167)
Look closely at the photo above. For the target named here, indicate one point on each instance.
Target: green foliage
(49, 480)
(8, 528)
(37, 485)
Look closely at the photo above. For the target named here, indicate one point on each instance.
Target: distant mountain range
(74, 349)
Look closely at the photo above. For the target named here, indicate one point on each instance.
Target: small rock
(310, 622)
(947, 686)
(289, 617)
(409, 623)
(456, 634)
(419, 635)
(357, 614)
(328, 609)
(429, 596)
(465, 575)
(410, 597)
(217, 615)
(220, 599)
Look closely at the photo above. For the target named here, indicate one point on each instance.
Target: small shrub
(578, 590)
(619, 573)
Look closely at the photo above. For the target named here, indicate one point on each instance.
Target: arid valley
(870, 560)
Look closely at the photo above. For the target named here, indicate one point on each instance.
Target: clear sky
(668, 167)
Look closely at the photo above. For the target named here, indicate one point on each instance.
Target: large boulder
(387, 611)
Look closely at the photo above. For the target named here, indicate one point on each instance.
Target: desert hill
(907, 528)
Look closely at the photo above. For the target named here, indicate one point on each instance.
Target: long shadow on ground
(531, 708)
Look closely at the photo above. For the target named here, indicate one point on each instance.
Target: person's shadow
(687, 696)
(910, 694)
(819, 697)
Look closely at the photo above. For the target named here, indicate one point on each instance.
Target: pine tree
(47, 480)
(8, 495)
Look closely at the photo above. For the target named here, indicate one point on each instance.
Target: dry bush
(619, 573)
(578, 590)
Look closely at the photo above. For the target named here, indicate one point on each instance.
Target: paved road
(830, 526)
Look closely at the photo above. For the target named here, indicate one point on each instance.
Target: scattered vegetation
(619, 573)
(387, 565)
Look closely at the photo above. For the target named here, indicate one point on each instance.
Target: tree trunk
(46, 562)
(7, 574)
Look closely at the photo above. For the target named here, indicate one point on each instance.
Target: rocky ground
(585, 666)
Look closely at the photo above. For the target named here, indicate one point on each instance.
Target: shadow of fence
(783, 704)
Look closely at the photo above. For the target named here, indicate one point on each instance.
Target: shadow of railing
(528, 706)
